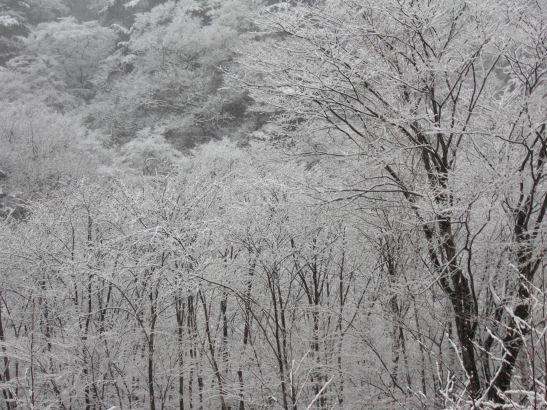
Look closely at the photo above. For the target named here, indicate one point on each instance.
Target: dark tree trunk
(5, 375)
(180, 311)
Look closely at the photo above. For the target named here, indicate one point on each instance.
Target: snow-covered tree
(441, 105)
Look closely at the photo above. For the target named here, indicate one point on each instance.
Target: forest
(254, 204)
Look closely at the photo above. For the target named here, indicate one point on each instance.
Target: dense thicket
(240, 204)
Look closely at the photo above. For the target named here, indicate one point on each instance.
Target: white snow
(8, 21)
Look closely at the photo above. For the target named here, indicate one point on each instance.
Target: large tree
(441, 105)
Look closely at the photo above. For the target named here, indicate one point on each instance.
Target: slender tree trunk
(214, 362)
(180, 311)
(200, 386)
(224, 343)
(32, 385)
(5, 375)
(89, 301)
(151, 340)
(246, 331)
(342, 302)
(190, 320)
(419, 339)
(395, 342)
(278, 339)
